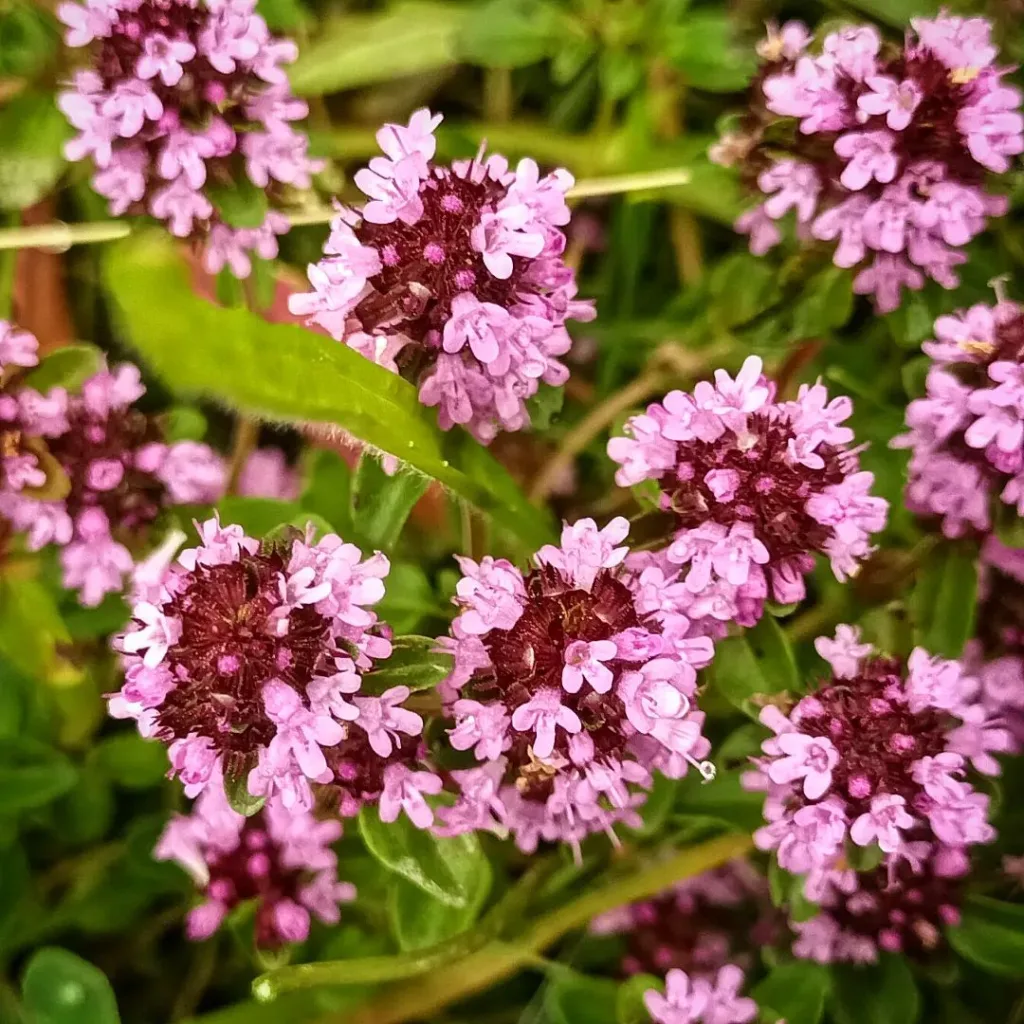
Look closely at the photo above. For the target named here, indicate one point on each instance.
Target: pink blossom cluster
(885, 151)
(280, 858)
(452, 276)
(26, 417)
(967, 434)
(698, 926)
(901, 908)
(876, 758)
(689, 1000)
(755, 486)
(266, 474)
(571, 684)
(995, 657)
(247, 659)
(184, 98)
(121, 475)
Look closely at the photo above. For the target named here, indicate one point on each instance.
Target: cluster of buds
(247, 659)
(967, 434)
(183, 100)
(876, 757)
(572, 683)
(280, 858)
(756, 487)
(699, 926)
(453, 277)
(882, 150)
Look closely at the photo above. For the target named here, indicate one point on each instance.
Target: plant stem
(435, 989)
(243, 441)
(59, 237)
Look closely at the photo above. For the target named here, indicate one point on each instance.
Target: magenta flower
(872, 757)
(570, 686)
(967, 433)
(281, 858)
(180, 96)
(756, 487)
(887, 152)
(702, 1001)
(453, 277)
(248, 661)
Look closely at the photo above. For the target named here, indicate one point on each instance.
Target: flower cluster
(281, 858)
(714, 1000)
(120, 473)
(995, 657)
(967, 434)
(453, 277)
(755, 486)
(884, 151)
(876, 757)
(26, 417)
(571, 684)
(183, 99)
(894, 909)
(698, 926)
(247, 659)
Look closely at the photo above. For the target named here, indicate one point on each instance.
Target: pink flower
(684, 1001)
(382, 719)
(584, 661)
(542, 715)
(845, 652)
(403, 791)
(883, 822)
(164, 57)
(810, 758)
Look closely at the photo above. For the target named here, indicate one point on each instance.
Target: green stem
(59, 237)
(480, 960)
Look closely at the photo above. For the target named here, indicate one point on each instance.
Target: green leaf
(285, 373)
(882, 993)
(658, 804)
(414, 663)
(419, 920)
(327, 488)
(509, 33)
(896, 13)
(442, 868)
(61, 988)
(257, 516)
(32, 774)
(240, 203)
(408, 599)
(68, 367)
(32, 156)
(382, 502)
(758, 662)
(236, 788)
(944, 601)
(30, 625)
(362, 49)
(282, 15)
(723, 799)
(27, 40)
(863, 858)
(545, 406)
(572, 998)
(184, 423)
(131, 761)
(991, 935)
(793, 992)
(703, 49)
(629, 1003)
